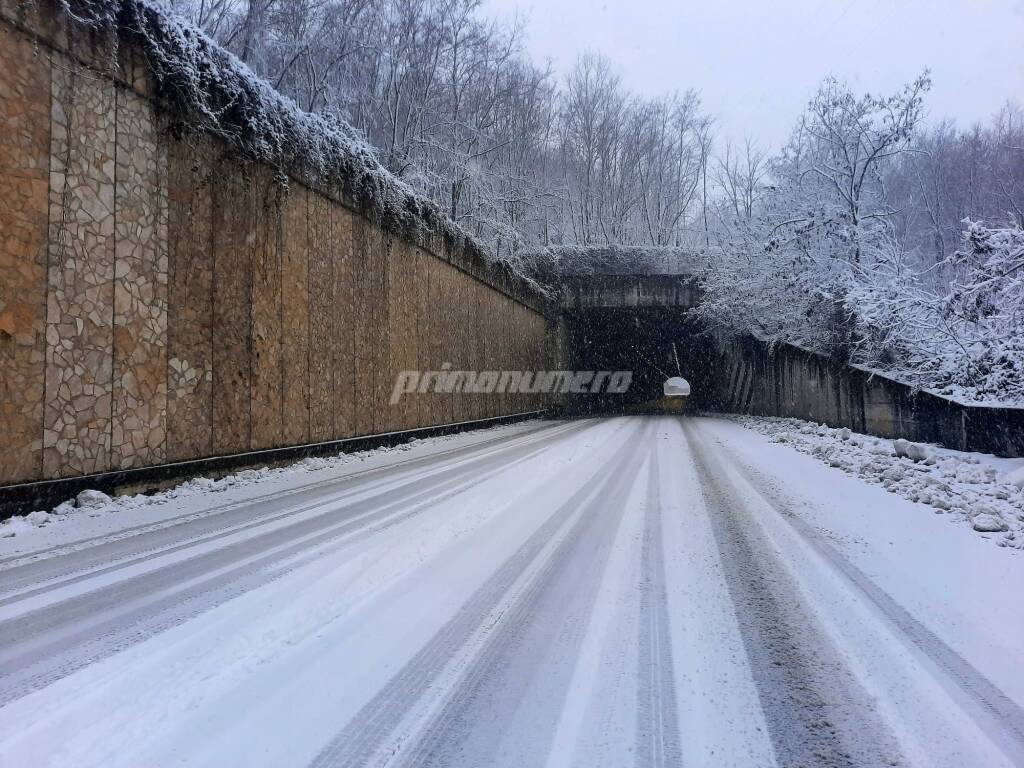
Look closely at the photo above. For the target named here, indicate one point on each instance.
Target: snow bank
(181, 498)
(908, 450)
(93, 513)
(90, 499)
(982, 490)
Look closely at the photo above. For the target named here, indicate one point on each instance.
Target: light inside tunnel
(655, 343)
(676, 386)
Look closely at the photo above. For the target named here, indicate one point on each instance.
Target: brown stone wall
(321, 320)
(346, 336)
(139, 418)
(267, 339)
(164, 300)
(295, 306)
(24, 168)
(80, 287)
(401, 330)
(234, 246)
(190, 300)
(422, 315)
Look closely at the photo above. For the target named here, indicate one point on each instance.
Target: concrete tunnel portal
(641, 324)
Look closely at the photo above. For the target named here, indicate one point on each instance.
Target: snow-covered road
(634, 591)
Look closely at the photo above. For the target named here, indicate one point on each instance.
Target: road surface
(636, 591)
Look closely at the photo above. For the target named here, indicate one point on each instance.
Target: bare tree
(741, 174)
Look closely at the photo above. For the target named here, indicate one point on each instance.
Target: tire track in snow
(264, 512)
(982, 695)
(52, 642)
(657, 728)
(526, 666)
(65, 559)
(486, 627)
(816, 711)
(163, 609)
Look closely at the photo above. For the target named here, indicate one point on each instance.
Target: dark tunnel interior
(640, 339)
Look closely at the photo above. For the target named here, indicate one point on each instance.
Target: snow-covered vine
(204, 87)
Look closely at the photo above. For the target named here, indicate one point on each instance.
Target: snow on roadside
(985, 491)
(94, 514)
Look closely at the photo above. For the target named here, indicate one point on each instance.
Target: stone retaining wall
(163, 300)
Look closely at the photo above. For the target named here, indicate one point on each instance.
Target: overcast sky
(756, 62)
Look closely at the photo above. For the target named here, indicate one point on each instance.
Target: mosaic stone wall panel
(449, 316)
(461, 351)
(469, 337)
(523, 357)
(513, 401)
(380, 259)
(538, 333)
(24, 170)
(455, 351)
(465, 351)
(413, 279)
(139, 426)
(493, 351)
(361, 322)
(267, 340)
(190, 300)
(478, 340)
(234, 241)
(489, 347)
(321, 320)
(401, 331)
(394, 416)
(493, 307)
(423, 328)
(429, 328)
(295, 308)
(344, 226)
(79, 313)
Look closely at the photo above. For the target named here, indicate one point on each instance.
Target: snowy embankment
(94, 515)
(985, 491)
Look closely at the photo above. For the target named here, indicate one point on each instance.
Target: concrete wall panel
(788, 381)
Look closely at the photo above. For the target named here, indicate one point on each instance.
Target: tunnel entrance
(639, 339)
